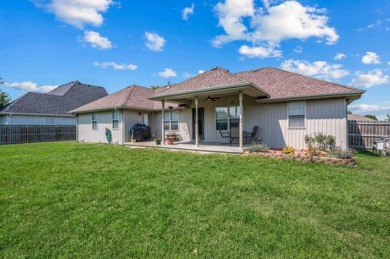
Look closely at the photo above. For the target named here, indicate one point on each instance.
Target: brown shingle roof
(132, 97)
(357, 117)
(282, 84)
(217, 77)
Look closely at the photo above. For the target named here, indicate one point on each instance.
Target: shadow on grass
(367, 153)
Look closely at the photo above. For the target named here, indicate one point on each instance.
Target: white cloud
(371, 25)
(96, 41)
(269, 26)
(291, 20)
(230, 15)
(318, 69)
(379, 110)
(28, 86)
(259, 52)
(167, 73)
(77, 13)
(370, 58)
(115, 66)
(187, 75)
(298, 49)
(339, 56)
(187, 12)
(200, 71)
(154, 41)
(369, 79)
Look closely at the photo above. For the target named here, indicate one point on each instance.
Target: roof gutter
(319, 96)
(112, 108)
(36, 114)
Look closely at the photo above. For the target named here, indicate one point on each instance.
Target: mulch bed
(304, 157)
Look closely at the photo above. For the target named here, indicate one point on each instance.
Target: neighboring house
(357, 117)
(51, 108)
(284, 105)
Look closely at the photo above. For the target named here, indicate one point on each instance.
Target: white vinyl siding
(36, 120)
(49, 121)
(296, 114)
(85, 133)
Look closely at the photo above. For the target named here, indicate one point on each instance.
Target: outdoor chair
(232, 134)
(251, 136)
(224, 135)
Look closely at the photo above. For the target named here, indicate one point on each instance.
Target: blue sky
(112, 43)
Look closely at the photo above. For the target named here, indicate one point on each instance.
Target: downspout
(123, 127)
(77, 128)
(241, 121)
(162, 122)
(346, 125)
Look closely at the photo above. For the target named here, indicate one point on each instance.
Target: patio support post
(162, 122)
(241, 120)
(196, 122)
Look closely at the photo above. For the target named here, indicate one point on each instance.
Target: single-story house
(52, 108)
(285, 106)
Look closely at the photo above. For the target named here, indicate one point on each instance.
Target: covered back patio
(216, 99)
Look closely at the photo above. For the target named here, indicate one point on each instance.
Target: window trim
(170, 120)
(115, 120)
(95, 121)
(228, 115)
(289, 104)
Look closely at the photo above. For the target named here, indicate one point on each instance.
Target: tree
(371, 117)
(349, 112)
(4, 97)
(388, 117)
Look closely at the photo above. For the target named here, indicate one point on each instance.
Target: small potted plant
(132, 138)
(157, 138)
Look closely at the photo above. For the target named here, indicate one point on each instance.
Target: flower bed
(305, 157)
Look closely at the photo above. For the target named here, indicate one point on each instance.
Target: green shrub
(256, 147)
(321, 141)
(288, 150)
(342, 154)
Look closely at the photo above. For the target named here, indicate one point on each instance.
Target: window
(94, 121)
(227, 117)
(296, 114)
(171, 120)
(115, 120)
(49, 121)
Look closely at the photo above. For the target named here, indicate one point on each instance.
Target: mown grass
(84, 200)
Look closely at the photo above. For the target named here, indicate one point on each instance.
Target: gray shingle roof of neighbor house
(132, 97)
(59, 101)
(357, 117)
(275, 83)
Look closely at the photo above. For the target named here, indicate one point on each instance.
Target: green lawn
(84, 200)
